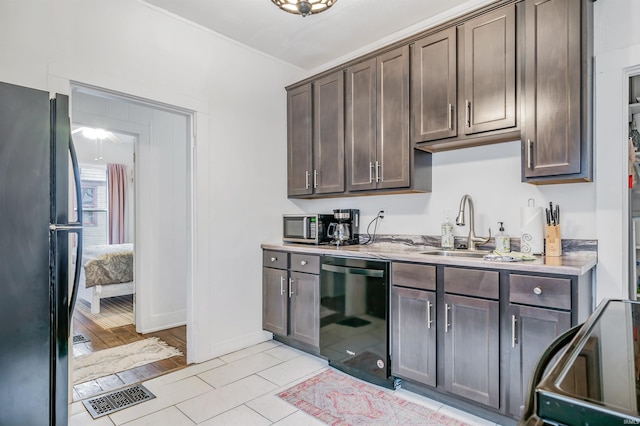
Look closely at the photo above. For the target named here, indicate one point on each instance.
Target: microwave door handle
(305, 227)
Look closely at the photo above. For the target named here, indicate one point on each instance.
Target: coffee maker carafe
(346, 228)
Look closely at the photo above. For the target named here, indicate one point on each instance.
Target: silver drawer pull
(429, 322)
(290, 287)
(514, 340)
(537, 290)
(303, 262)
(446, 317)
(273, 259)
(281, 286)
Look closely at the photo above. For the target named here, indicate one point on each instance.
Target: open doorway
(135, 168)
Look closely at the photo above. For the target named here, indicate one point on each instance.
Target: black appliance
(306, 228)
(36, 304)
(354, 331)
(345, 228)
(590, 375)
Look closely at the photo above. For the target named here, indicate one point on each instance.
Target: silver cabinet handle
(513, 331)
(429, 322)
(537, 290)
(370, 172)
(468, 112)
(303, 262)
(446, 317)
(377, 171)
(306, 179)
(281, 285)
(273, 259)
(450, 116)
(530, 153)
(315, 178)
(290, 286)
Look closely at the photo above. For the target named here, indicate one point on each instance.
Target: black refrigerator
(37, 231)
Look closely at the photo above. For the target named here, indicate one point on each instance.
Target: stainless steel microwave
(306, 228)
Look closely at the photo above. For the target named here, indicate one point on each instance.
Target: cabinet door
(489, 72)
(552, 137)
(361, 125)
(328, 137)
(471, 348)
(413, 347)
(532, 329)
(305, 308)
(299, 140)
(433, 86)
(392, 150)
(274, 300)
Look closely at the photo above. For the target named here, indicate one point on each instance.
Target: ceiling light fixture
(304, 7)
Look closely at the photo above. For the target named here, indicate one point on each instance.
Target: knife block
(553, 240)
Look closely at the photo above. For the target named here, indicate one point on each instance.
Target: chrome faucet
(472, 239)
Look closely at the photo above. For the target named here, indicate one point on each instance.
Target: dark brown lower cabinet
(532, 329)
(414, 334)
(471, 348)
(275, 300)
(305, 308)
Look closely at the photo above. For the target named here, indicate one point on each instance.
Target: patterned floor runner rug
(121, 358)
(339, 400)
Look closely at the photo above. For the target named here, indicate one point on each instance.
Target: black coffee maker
(345, 229)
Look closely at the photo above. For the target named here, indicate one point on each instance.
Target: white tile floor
(236, 389)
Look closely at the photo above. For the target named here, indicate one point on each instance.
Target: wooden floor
(108, 338)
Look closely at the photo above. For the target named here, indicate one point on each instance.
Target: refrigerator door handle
(76, 228)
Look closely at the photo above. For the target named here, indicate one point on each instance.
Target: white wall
(239, 99)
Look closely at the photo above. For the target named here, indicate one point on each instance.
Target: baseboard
(228, 346)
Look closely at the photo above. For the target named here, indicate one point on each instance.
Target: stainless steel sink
(457, 253)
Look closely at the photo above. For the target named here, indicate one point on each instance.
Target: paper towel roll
(532, 230)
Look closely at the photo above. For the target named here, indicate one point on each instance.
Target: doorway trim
(190, 115)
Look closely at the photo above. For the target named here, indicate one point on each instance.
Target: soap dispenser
(503, 245)
(446, 232)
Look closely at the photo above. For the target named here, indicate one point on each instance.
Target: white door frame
(191, 195)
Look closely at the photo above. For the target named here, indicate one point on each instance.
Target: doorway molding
(190, 116)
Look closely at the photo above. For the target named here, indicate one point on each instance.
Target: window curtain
(117, 184)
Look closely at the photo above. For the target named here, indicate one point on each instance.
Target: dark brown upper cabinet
(464, 83)
(299, 140)
(434, 86)
(315, 137)
(377, 122)
(489, 72)
(556, 138)
(328, 135)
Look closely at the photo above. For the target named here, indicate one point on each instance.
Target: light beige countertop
(576, 263)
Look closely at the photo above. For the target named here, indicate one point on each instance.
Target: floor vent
(116, 401)
(80, 338)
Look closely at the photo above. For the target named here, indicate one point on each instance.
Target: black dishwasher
(354, 306)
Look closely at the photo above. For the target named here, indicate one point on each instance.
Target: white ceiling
(315, 40)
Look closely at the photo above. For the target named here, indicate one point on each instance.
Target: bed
(107, 272)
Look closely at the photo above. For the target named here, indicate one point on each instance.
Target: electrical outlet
(381, 214)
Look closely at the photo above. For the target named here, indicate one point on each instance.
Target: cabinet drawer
(275, 259)
(540, 291)
(305, 263)
(413, 275)
(472, 282)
